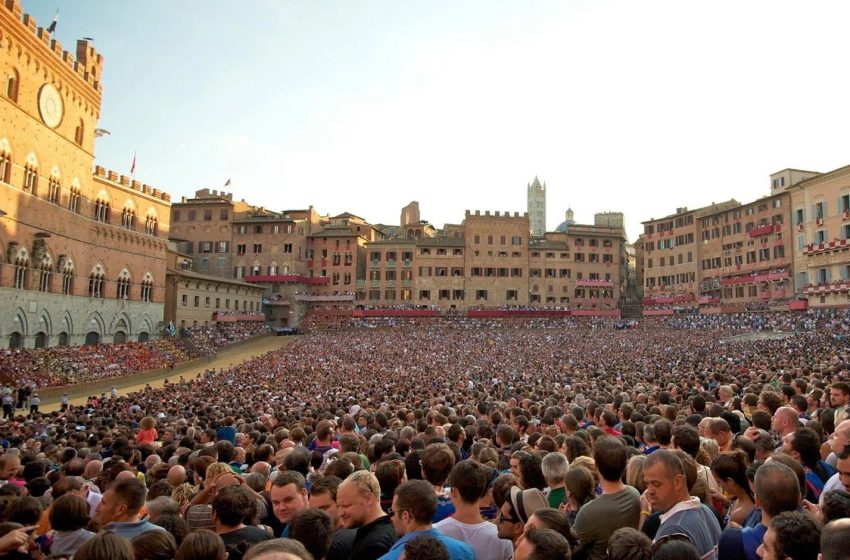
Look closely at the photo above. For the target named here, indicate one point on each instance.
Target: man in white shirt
(468, 482)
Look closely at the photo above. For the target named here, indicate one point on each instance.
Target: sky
(364, 106)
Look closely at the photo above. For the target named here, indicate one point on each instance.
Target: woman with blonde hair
(634, 473)
(589, 464)
(708, 450)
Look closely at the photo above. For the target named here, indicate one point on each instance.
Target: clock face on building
(50, 105)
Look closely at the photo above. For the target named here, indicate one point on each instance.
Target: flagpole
(52, 27)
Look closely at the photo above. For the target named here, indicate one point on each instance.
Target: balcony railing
(595, 283)
(765, 230)
(827, 288)
(286, 279)
(834, 245)
(335, 297)
(755, 278)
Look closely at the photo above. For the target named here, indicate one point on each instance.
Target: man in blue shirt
(414, 504)
(119, 509)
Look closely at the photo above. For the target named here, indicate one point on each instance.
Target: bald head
(176, 475)
(125, 475)
(93, 468)
(261, 467)
(785, 420)
(152, 461)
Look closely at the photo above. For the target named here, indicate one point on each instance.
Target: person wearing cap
(618, 506)
(516, 511)
(413, 507)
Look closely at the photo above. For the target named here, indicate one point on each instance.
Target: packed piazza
(488, 390)
(456, 437)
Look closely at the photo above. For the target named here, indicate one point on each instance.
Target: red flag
(133, 165)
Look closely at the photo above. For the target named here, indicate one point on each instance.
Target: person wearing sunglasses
(413, 507)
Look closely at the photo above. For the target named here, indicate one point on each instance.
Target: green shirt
(557, 497)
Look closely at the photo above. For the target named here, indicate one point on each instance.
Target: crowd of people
(60, 366)
(832, 319)
(437, 442)
(70, 365)
(207, 340)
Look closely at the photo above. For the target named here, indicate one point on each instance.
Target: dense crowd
(207, 340)
(774, 321)
(440, 442)
(70, 365)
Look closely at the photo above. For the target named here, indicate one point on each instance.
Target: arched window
(16, 340)
(96, 282)
(22, 262)
(79, 133)
(64, 339)
(151, 223)
(92, 338)
(101, 210)
(67, 269)
(74, 197)
(5, 166)
(41, 339)
(128, 217)
(30, 178)
(13, 82)
(53, 189)
(45, 270)
(147, 287)
(123, 285)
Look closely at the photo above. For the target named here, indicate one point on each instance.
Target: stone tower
(537, 207)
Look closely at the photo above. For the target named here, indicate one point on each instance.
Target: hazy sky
(363, 106)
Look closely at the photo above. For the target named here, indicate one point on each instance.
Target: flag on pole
(133, 165)
(52, 27)
(227, 184)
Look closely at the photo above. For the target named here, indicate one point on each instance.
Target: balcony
(286, 279)
(765, 230)
(684, 298)
(407, 263)
(360, 284)
(594, 283)
(391, 264)
(834, 245)
(375, 264)
(335, 297)
(828, 288)
(755, 278)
